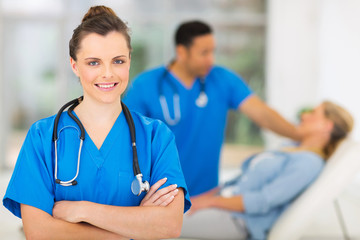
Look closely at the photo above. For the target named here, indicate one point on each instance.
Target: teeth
(106, 86)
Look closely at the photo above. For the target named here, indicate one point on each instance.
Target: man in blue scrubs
(198, 121)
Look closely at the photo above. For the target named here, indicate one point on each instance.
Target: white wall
(3, 132)
(313, 54)
(339, 54)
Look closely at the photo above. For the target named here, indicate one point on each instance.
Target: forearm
(137, 222)
(275, 122)
(234, 203)
(40, 225)
(266, 117)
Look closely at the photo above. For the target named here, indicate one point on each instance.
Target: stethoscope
(201, 101)
(137, 185)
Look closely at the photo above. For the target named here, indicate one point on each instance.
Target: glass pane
(30, 69)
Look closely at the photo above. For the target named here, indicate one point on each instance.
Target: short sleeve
(31, 182)
(237, 89)
(166, 161)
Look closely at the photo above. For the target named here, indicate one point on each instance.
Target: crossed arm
(158, 216)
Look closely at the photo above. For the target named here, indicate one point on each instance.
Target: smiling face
(199, 57)
(103, 64)
(315, 122)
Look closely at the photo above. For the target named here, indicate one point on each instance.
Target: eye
(118, 61)
(93, 63)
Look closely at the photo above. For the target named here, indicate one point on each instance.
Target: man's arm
(266, 117)
(151, 222)
(40, 225)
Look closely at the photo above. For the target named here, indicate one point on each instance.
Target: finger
(165, 197)
(169, 199)
(154, 188)
(160, 200)
(162, 192)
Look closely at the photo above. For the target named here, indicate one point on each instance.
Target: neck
(96, 112)
(315, 144)
(182, 72)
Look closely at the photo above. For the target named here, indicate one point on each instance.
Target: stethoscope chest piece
(138, 186)
(202, 100)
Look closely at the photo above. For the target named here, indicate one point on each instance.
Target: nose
(304, 116)
(211, 58)
(107, 72)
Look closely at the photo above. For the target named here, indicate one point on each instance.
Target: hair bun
(98, 10)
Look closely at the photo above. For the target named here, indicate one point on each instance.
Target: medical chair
(339, 171)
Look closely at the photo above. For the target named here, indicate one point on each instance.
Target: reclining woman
(269, 181)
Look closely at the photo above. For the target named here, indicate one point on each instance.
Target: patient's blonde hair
(343, 124)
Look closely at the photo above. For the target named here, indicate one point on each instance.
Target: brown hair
(343, 124)
(101, 20)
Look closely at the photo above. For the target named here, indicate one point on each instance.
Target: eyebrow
(94, 58)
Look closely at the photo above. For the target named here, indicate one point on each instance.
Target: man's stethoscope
(137, 186)
(201, 101)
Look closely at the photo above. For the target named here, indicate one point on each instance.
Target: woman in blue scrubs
(101, 204)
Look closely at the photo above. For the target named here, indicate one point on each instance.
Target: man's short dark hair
(187, 31)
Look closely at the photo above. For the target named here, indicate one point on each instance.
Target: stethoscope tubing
(139, 184)
(201, 101)
(130, 121)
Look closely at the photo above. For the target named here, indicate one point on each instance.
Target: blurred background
(36, 78)
(293, 54)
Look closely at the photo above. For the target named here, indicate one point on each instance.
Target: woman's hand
(162, 197)
(202, 201)
(68, 211)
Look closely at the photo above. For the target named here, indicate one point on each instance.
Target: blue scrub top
(200, 132)
(105, 175)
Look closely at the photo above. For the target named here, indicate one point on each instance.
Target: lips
(106, 86)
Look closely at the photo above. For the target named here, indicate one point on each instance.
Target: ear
(181, 52)
(129, 61)
(74, 66)
(329, 126)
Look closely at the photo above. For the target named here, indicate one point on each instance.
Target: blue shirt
(199, 134)
(105, 175)
(269, 182)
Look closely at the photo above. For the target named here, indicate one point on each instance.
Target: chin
(203, 74)
(109, 99)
